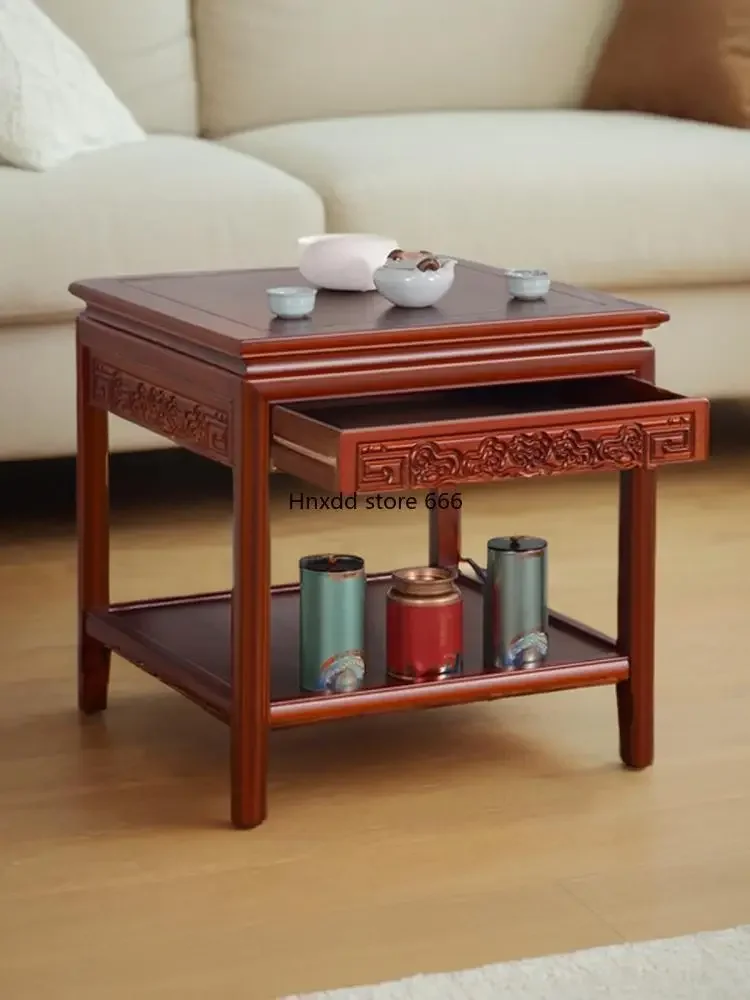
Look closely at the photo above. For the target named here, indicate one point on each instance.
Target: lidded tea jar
(424, 624)
(515, 603)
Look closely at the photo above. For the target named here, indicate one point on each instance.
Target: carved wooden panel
(473, 458)
(196, 425)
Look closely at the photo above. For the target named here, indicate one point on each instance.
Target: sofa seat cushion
(613, 200)
(170, 203)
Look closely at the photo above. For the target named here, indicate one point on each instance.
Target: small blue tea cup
(290, 302)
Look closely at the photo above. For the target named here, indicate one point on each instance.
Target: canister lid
(423, 581)
(517, 543)
(332, 563)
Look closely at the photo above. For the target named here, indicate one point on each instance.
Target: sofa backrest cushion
(265, 62)
(144, 50)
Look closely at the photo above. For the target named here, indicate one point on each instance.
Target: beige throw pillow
(53, 103)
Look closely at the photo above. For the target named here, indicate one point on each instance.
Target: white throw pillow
(53, 103)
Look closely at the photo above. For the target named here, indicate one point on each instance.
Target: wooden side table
(475, 390)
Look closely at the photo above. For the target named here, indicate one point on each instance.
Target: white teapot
(343, 262)
(415, 280)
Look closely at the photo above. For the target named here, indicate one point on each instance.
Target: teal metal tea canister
(332, 623)
(515, 603)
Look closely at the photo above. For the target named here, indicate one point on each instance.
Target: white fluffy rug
(708, 966)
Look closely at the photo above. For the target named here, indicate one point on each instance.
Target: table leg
(445, 537)
(251, 610)
(92, 486)
(636, 599)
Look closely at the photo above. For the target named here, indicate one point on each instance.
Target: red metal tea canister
(424, 624)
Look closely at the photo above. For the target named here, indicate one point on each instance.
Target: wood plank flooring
(422, 842)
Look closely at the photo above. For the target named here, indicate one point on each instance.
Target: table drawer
(482, 434)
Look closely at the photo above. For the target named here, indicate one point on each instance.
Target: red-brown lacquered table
(474, 390)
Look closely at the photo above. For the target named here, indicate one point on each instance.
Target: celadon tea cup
(289, 302)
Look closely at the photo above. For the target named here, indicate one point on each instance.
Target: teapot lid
(421, 260)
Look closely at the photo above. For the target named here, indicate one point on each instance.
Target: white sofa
(450, 125)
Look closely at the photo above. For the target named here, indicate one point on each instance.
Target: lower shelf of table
(185, 642)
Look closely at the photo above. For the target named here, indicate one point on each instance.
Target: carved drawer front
(486, 433)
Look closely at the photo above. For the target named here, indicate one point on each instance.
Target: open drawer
(427, 440)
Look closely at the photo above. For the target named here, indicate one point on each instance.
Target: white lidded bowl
(406, 286)
(343, 262)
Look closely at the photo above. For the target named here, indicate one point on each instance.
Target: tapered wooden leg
(445, 537)
(636, 597)
(251, 608)
(92, 484)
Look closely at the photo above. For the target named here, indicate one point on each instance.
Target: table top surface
(227, 312)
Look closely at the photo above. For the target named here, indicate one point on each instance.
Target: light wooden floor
(420, 842)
